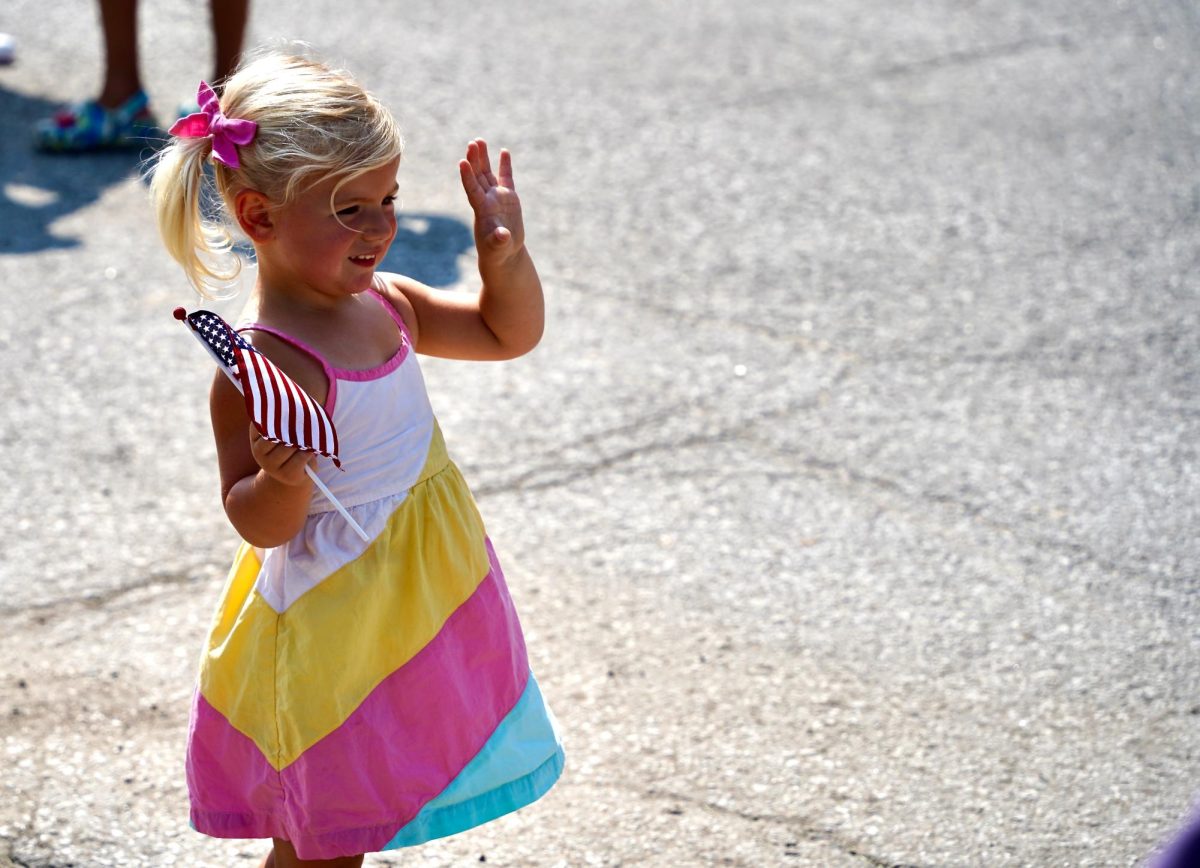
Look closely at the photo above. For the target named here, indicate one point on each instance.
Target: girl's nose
(381, 226)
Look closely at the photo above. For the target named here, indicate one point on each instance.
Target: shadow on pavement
(38, 189)
(427, 248)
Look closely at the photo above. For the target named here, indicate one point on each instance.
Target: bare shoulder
(226, 405)
(405, 294)
(444, 323)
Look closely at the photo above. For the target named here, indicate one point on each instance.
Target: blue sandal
(91, 127)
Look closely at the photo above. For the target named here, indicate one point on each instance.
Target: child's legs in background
(284, 856)
(229, 28)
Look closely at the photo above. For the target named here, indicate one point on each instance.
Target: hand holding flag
(285, 463)
(279, 409)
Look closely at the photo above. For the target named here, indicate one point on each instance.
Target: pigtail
(203, 247)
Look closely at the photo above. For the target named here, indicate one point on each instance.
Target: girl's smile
(330, 239)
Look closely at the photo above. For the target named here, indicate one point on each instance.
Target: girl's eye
(348, 212)
(389, 201)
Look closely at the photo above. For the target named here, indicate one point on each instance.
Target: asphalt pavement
(850, 502)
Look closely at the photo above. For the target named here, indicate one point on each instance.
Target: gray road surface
(850, 502)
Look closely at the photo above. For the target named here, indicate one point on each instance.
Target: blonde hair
(314, 123)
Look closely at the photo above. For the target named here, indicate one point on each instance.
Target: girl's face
(334, 250)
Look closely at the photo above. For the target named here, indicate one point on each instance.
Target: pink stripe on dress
(243, 807)
(374, 773)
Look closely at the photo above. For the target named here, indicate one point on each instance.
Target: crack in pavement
(1023, 528)
(811, 830)
(646, 301)
(951, 59)
(482, 469)
(972, 56)
(559, 475)
(8, 860)
(11, 861)
(46, 610)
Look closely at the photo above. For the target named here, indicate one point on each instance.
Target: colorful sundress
(357, 697)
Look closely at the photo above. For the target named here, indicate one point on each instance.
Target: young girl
(353, 697)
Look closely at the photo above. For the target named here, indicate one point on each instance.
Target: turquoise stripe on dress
(519, 763)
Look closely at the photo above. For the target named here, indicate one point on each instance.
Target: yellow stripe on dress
(287, 680)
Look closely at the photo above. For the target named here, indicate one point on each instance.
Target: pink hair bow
(226, 133)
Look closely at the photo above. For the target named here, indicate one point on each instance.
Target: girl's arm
(264, 488)
(506, 319)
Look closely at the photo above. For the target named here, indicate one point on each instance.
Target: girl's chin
(362, 282)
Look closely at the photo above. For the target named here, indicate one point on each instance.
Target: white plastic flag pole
(337, 504)
(312, 474)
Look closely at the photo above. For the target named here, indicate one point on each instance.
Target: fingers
(285, 463)
(506, 175)
(475, 193)
(476, 172)
(481, 166)
(497, 209)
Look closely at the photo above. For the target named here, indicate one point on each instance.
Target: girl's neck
(294, 298)
(351, 331)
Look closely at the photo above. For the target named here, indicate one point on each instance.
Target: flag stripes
(281, 411)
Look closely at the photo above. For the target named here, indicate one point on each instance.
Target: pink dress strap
(330, 374)
(333, 374)
(392, 312)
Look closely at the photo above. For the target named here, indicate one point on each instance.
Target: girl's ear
(253, 212)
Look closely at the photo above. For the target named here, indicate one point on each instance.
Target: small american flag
(280, 410)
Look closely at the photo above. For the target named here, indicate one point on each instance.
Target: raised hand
(499, 229)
